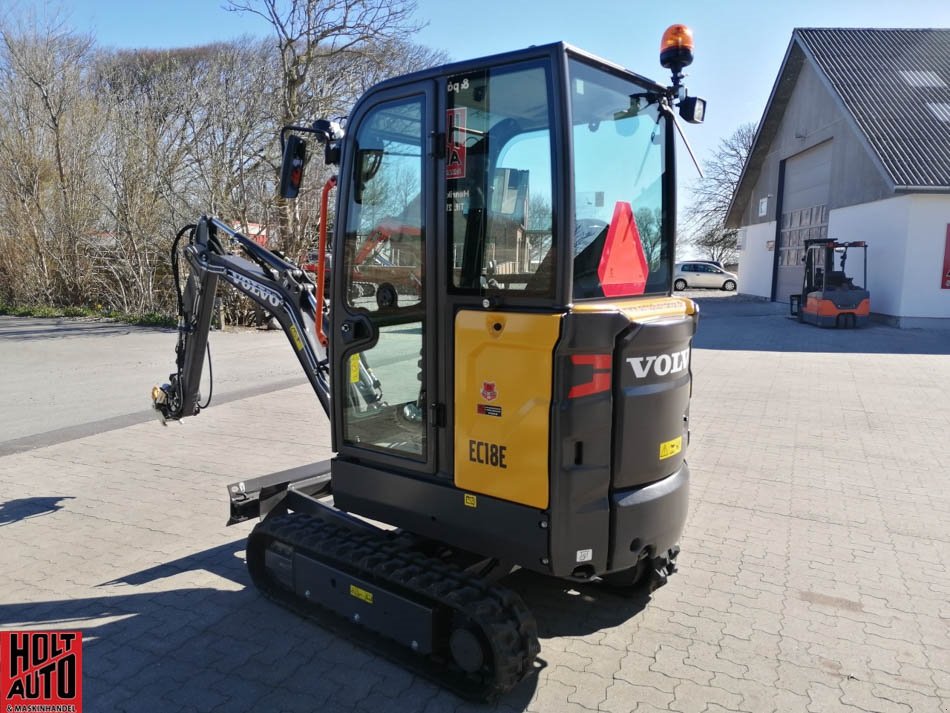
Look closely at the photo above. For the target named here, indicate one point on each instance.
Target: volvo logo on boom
(247, 284)
(661, 365)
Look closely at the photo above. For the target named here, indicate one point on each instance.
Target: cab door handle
(358, 328)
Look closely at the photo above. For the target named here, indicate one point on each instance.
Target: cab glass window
(622, 246)
(499, 180)
(385, 239)
(384, 398)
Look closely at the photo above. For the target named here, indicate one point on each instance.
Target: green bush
(149, 319)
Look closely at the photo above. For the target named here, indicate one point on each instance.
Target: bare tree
(320, 34)
(312, 30)
(104, 155)
(649, 222)
(147, 98)
(191, 131)
(380, 59)
(717, 244)
(47, 143)
(706, 216)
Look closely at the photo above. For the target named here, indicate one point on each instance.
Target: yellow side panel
(503, 365)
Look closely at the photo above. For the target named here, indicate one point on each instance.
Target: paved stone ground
(815, 573)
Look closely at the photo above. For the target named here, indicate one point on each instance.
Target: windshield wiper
(666, 109)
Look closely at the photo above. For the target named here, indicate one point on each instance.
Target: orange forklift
(829, 297)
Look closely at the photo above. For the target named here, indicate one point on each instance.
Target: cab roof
(554, 49)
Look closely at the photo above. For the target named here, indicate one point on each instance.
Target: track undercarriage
(437, 611)
(454, 627)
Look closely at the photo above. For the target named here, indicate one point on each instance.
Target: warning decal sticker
(361, 594)
(455, 151)
(668, 449)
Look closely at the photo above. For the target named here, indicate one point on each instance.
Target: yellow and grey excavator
(508, 387)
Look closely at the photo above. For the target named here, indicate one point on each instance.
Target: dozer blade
(471, 636)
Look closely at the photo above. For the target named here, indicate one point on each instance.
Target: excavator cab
(532, 338)
(506, 371)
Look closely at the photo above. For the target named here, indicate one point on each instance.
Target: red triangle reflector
(623, 266)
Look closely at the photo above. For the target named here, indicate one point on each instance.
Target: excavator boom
(279, 286)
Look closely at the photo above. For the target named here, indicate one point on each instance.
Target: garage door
(804, 214)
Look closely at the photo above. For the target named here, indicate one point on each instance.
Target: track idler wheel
(469, 651)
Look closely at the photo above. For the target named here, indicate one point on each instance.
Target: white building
(854, 145)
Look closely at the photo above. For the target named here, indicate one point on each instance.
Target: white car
(697, 273)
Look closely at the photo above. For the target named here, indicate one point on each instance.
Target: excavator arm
(278, 285)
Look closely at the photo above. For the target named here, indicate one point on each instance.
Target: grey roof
(896, 85)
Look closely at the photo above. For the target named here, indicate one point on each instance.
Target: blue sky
(739, 43)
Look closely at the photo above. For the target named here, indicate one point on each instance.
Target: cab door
(499, 273)
(383, 329)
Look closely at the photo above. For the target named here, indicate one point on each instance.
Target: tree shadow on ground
(32, 329)
(24, 508)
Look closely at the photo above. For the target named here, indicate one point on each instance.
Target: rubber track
(499, 613)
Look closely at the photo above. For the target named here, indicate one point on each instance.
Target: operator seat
(836, 280)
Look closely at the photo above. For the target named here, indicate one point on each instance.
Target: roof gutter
(922, 189)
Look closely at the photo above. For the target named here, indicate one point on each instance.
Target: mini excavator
(517, 398)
